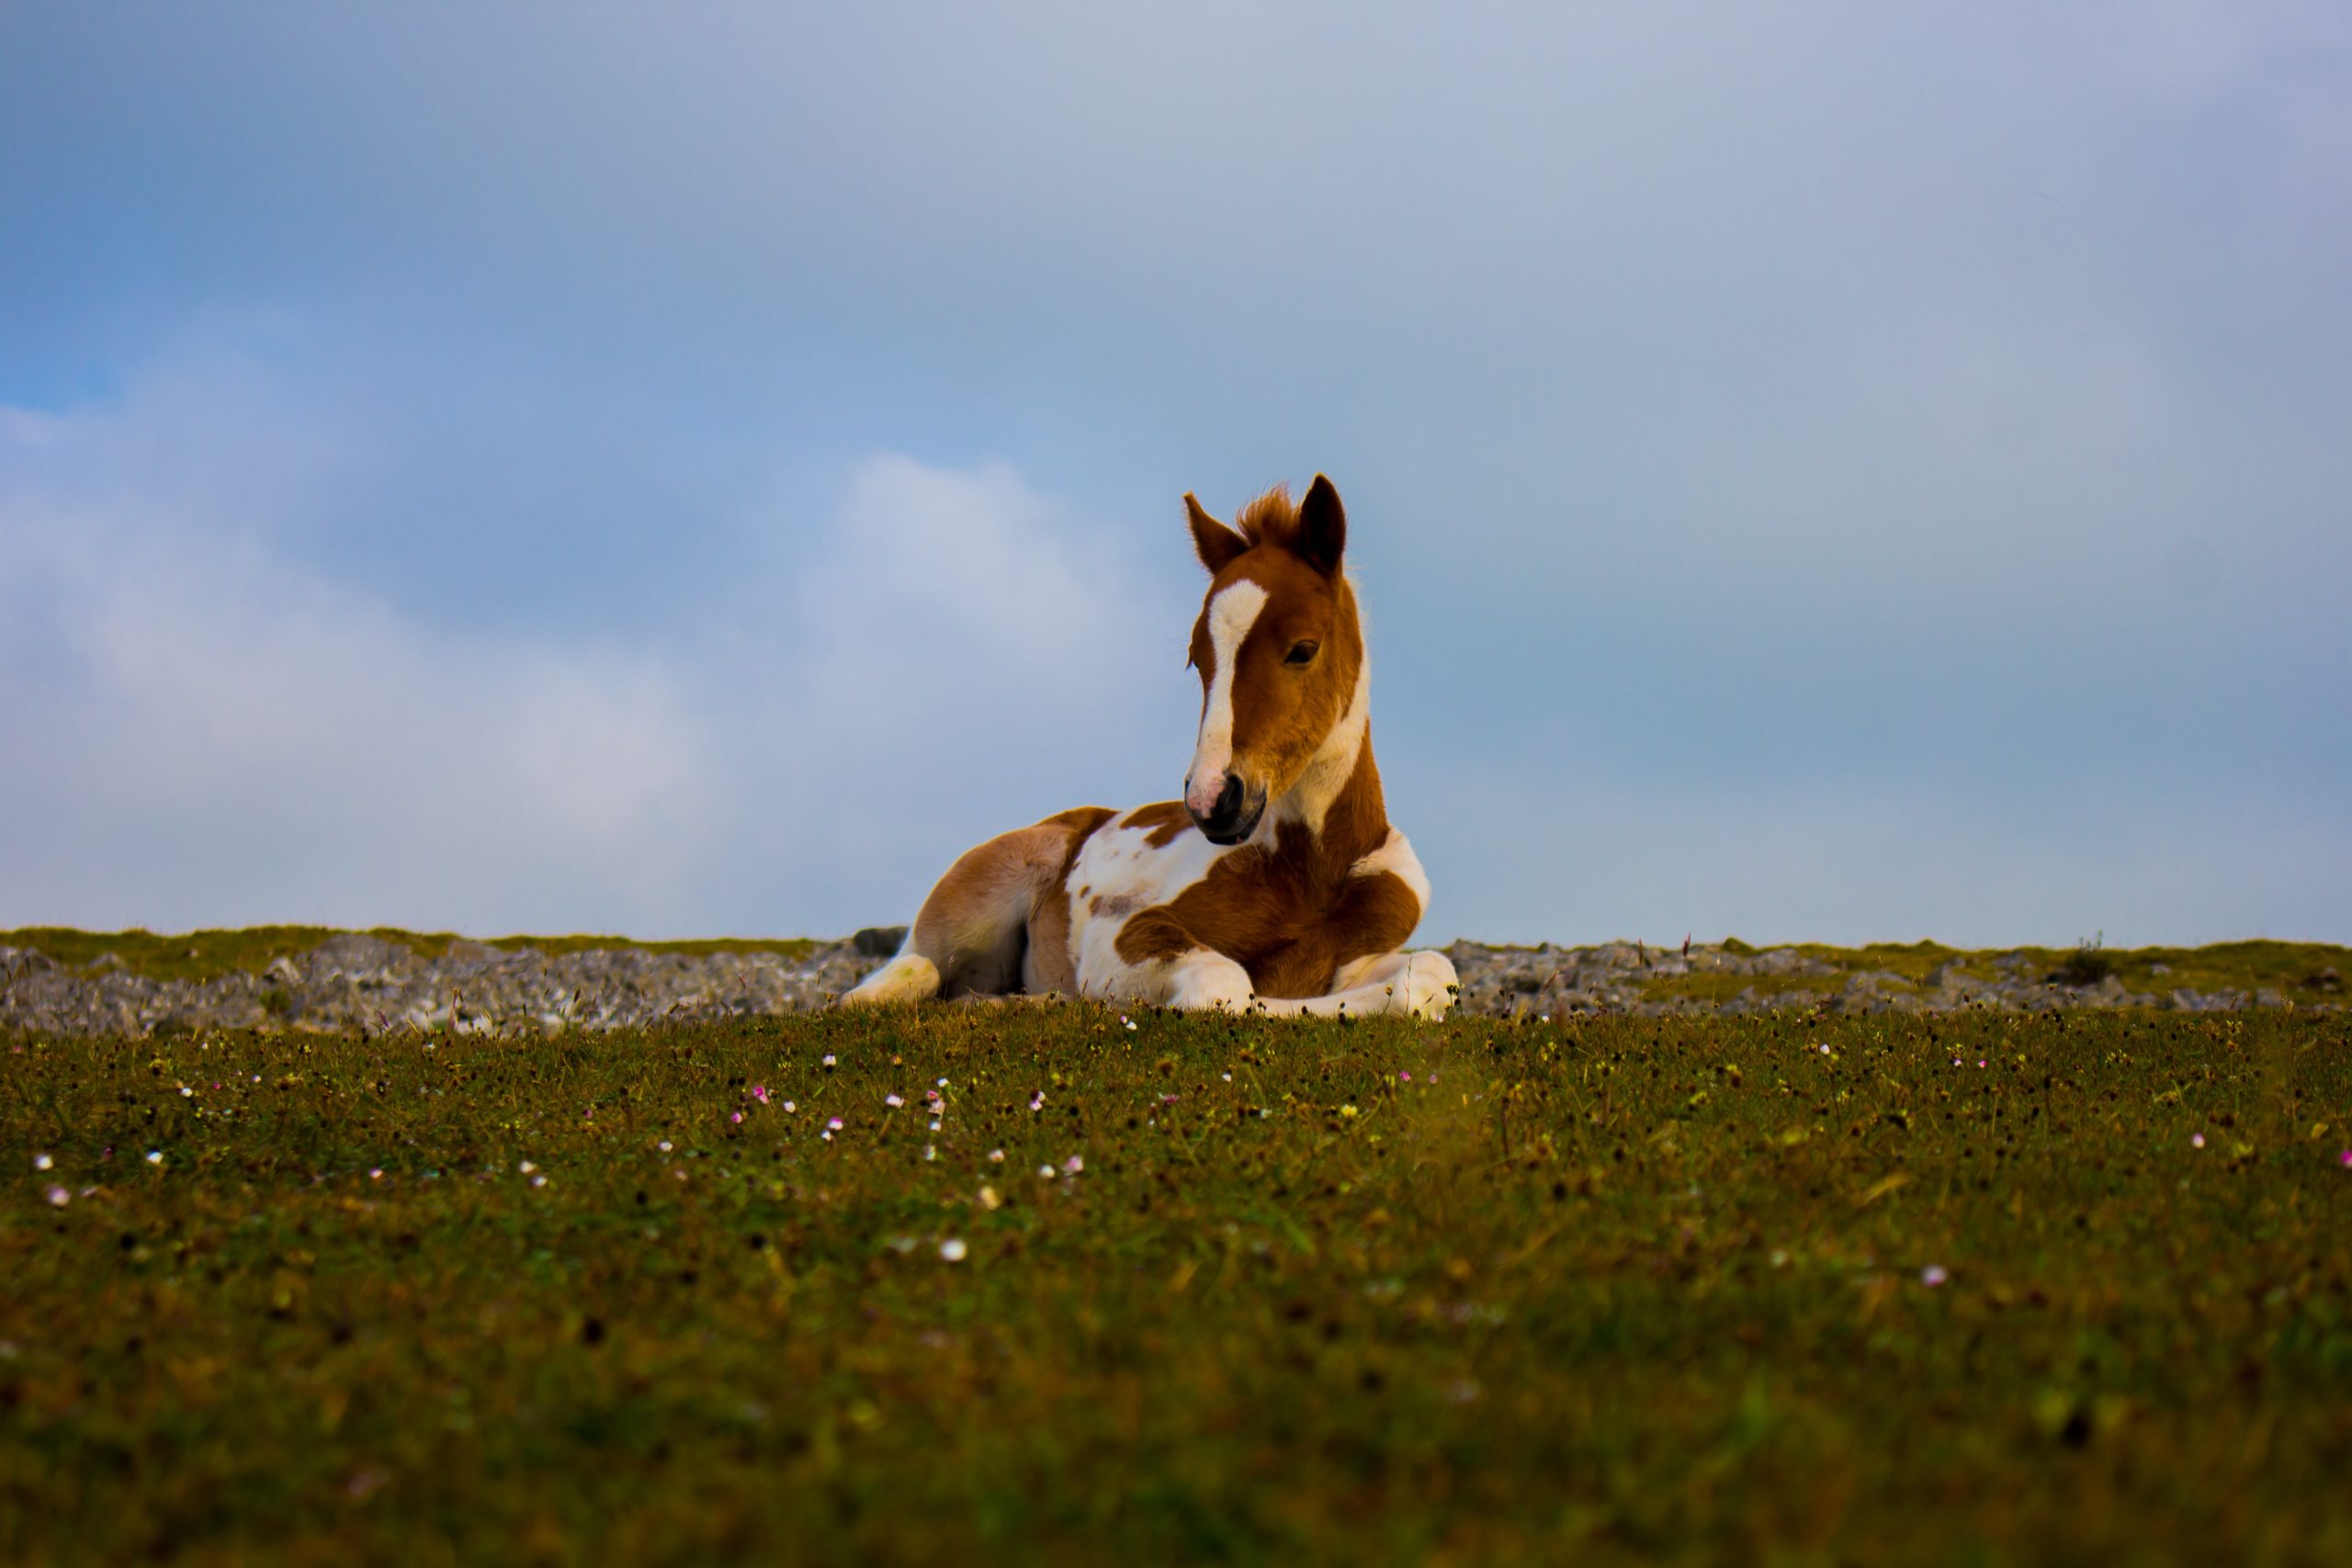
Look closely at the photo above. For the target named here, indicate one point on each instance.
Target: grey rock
(368, 985)
(879, 941)
(361, 956)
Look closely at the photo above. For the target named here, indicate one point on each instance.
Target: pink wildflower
(735, 1116)
(759, 1093)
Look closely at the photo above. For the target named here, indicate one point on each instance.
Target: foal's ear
(1217, 543)
(1322, 527)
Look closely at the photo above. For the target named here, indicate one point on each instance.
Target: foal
(1276, 884)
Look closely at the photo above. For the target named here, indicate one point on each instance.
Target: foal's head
(1278, 649)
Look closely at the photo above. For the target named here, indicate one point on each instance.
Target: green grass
(2300, 971)
(1614, 1291)
(207, 956)
(1716, 988)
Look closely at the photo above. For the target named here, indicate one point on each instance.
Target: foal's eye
(1300, 653)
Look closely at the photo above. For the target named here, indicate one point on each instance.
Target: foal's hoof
(910, 977)
(1426, 989)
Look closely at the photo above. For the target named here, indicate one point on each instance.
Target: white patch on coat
(1231, 614)
(1204, 979)
(1124, 873)
(1395, 857)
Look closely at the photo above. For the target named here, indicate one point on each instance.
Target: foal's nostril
(1229, 800)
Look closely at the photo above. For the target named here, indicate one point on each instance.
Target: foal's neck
(1338, 798)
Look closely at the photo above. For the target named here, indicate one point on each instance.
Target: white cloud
(203, 730)
(950, 656)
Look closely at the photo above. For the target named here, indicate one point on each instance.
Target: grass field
(208, 954)
(1968, 1289)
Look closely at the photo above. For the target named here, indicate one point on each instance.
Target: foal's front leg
(1417, 983)
(1421, 984)
(1206, 978)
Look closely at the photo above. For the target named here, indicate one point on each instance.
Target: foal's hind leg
(972, 934)
(1422, 984)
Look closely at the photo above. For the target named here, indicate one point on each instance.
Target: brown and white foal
(1276, 884)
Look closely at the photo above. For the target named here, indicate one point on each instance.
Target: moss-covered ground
(2302, 970)
(1977, 1290)
(208, 954)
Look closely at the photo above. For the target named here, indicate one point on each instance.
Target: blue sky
(1816, 471)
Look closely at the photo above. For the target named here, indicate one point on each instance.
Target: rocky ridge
(1630, 978)
(370, 985)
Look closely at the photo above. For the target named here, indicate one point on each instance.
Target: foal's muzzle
(1235, 816)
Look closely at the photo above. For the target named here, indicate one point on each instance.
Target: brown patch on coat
(1168, 821)
(1291, 914)
(1284, 713)
(1049, 965)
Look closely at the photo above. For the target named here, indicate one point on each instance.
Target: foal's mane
(1271, 519)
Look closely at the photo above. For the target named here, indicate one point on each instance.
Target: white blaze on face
(1231, 614)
